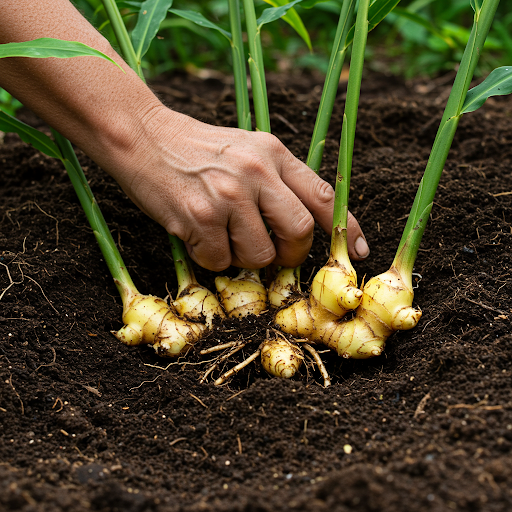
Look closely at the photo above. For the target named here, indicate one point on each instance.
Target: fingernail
(361, 247)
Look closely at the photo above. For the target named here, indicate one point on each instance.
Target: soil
(91, 424)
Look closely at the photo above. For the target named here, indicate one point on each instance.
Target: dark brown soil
(90, 424)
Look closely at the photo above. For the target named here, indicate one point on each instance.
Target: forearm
(87, 99)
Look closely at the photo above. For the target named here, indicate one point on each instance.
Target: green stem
(257, 71)
(125, 43)
(182, 265)
(446, 132)
(239, 71)
(107, 245)
(348, 130)
(332, 79)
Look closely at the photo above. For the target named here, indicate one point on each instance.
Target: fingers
(251, 245)
(241, 240)
(211, 253)
(315, 193)
(286, 205)
(291, 223)
(318, 196)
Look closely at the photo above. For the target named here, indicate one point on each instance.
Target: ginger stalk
(148, 319)
(194, 302)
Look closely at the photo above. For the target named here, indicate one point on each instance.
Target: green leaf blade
(48, 47)
(151, 14)
(274, 13)
(294, 20)
(497, 83)
(199, 19)
(377, 11)
(35, 138)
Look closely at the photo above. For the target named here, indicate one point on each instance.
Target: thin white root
(244, 295)
(220, 359)
(218, 348)
(237, 368)
(319, 363)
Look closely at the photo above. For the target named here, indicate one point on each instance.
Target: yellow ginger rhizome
(382, 306)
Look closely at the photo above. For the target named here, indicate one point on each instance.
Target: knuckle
(323, 191)
(230, 192)
(256, 167)
(271, 143)
(176, 228)
(203, 213)
(268, 139)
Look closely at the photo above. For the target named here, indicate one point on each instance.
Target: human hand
(212, 187)
(215, 187)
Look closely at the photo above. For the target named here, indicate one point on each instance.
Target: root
(319, 363)
(237, 368)
(220, 359)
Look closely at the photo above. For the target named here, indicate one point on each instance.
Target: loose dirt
(91, 424)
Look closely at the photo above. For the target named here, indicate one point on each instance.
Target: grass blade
(256, 68)
(423, 22)
(377, 11)
(484, 14)
(332, 79)
(243, 108)
(348, 129)
(93, 213)
(122, 36)
(294, 20)
(274, 13)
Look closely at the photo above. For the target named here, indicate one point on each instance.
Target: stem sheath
(107, 245)
(257, 71)
(239, 71)
(125, 43)
(332, 79)
(425, 196)
(348, 130)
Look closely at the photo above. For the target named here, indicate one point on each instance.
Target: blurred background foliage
(422, 37)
